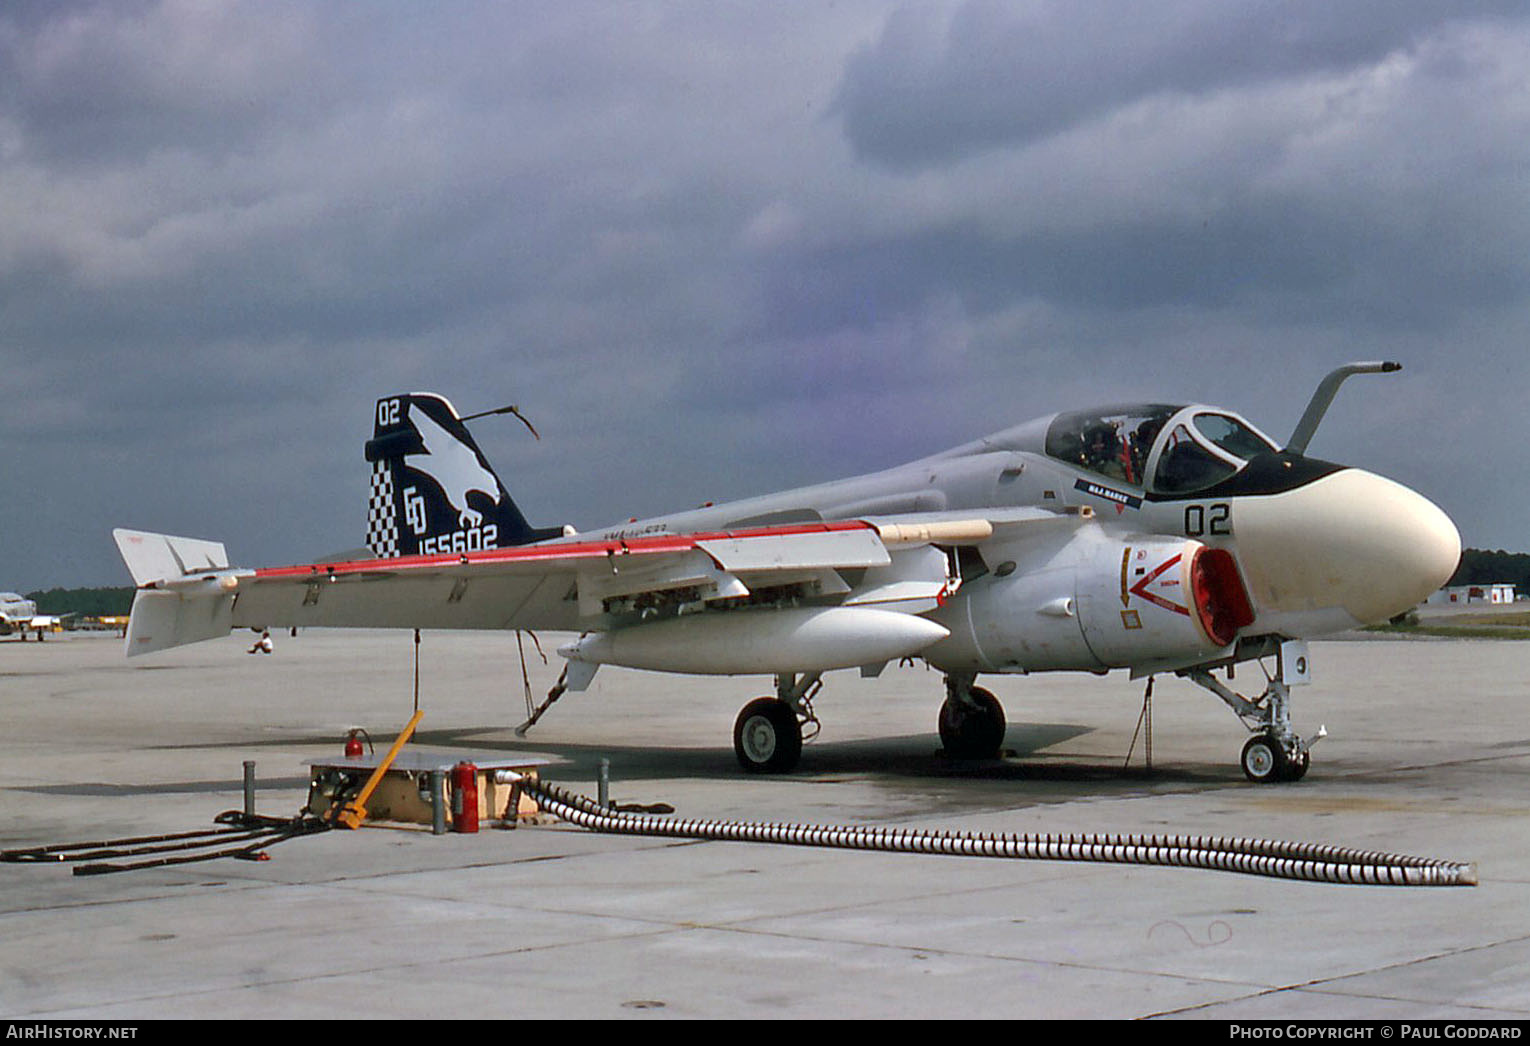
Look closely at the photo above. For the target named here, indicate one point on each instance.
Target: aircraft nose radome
(1351, 541)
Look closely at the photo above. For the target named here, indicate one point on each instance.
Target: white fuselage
(1319, 548)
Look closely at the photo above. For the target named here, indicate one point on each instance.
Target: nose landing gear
(1276, 752)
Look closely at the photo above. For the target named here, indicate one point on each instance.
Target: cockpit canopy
(1163, 448)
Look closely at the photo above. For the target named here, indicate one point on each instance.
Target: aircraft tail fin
(432, 490)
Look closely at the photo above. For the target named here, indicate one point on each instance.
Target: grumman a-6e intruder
(1146, 537)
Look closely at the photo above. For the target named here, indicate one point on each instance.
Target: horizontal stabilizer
(161, 620)
(160, 557)
(185, 590)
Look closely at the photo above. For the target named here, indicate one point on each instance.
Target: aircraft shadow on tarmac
(890, 759)
(908, 759)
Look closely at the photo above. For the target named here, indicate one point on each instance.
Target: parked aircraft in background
(18, 616)
(1151, 537)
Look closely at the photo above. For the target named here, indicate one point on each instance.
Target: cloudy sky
(713, 249)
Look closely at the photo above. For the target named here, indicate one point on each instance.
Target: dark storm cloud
(718, 249)
(92, 84)
(1279, 259)
(230, 227)
(1362, 166)
(941, 84)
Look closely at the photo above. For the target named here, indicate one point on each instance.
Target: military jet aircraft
(1155, 538)
(19, 615)
(16, 613)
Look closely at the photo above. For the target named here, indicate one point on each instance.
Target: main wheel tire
(969, 732)
(767, 738)
(1264, 760)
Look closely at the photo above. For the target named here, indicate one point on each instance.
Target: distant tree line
(1480, 567)
(87, 602)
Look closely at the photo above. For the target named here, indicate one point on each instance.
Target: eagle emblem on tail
(453, 465)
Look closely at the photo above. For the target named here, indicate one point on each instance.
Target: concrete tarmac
(1429, 754)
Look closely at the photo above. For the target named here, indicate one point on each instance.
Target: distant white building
(1460, 595)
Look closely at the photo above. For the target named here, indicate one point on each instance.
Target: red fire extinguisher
(465, 798)
(353, 744)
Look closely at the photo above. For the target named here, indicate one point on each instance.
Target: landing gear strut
(971, 720)
(1275, 752)
(767, 736)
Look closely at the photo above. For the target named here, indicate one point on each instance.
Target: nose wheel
(1265, 759)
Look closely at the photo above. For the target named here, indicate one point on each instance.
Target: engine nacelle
(1091, 601)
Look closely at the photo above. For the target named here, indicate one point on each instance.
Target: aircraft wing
(892, 563)
(552, 586)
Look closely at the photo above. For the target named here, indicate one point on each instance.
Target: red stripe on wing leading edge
(532, 553)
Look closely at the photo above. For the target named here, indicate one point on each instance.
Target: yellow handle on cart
(354, 812)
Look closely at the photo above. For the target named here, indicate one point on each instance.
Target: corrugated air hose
(1312, 862)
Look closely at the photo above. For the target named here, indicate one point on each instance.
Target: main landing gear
(971, 720)
(1275, 752)
(768, 735)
